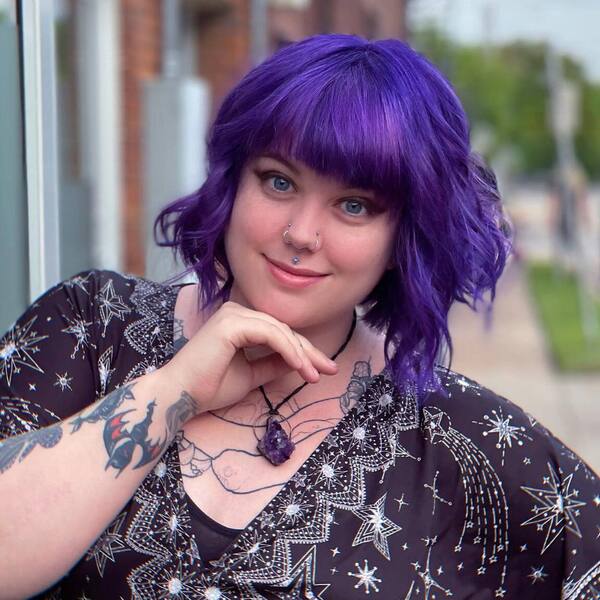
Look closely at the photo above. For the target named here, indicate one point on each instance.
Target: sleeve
(540, 498)
(557, 518)
(49, 358)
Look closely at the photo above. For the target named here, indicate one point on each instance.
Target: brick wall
(374, 19)
(140, 47)
(224, 48)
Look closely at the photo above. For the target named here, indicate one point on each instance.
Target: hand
(213, 369)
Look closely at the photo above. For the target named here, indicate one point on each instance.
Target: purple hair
(374, 115)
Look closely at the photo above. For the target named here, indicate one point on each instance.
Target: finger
(314, 360)
(319, 359)
(243, 311)
(309, 367)
(261, 332)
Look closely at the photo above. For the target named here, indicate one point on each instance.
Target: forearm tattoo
(120, 440)
(226, 463)
(20, 446)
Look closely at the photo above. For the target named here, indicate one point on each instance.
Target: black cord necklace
(275, 445)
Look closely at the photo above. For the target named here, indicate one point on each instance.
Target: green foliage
(504, 90)
(556, 299)
(587, 141)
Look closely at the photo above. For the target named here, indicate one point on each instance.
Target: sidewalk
(511, 360)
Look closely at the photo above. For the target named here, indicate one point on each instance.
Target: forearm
(61, 486)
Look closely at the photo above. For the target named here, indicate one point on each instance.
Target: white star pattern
(172, 523)
(366, 577)
(401, 502)
(104, 370)
(78, 328)
(109, 544)
(63, 381)
(328, 472)
(556, 508)
(376, 527)
(434, 491)
(537, 574)
(17, 348)
(292, 509)
(428, 581)
(252, 548)
(110, 305)
(506, 432)
(78, 281)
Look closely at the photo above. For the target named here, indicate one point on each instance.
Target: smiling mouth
(288, 278)
(295, 272)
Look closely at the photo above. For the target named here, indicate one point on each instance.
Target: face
(350, 253)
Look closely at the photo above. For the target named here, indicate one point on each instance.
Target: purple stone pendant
(275, 445)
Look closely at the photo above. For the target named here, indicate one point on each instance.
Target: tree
(504, 90)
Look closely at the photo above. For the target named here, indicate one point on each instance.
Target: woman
(283, 428)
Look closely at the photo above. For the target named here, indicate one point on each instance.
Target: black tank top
(212, 537)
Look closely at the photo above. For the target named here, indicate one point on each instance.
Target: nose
(302, 236)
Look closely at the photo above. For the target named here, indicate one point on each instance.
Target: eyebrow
(281, 159)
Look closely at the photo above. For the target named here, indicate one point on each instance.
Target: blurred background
(105, 106)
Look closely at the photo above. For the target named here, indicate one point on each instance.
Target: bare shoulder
(186, 316)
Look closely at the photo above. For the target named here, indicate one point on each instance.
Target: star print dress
(464, 496)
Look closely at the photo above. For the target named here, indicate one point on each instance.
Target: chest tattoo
(230, 463)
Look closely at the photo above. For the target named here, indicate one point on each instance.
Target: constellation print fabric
(465, 497)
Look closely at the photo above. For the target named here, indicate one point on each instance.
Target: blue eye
(279, 184)
(354, 207)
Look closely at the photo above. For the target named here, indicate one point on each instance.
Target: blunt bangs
(376, 116)
(356, 142)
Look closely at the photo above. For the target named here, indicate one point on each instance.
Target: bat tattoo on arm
(119, 442)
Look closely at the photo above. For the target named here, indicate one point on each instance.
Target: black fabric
(211, 537)
(465, 496)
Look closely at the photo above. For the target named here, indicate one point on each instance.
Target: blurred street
(511, 358)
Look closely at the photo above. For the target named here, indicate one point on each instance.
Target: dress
(467, 496)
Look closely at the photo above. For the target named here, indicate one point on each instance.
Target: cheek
(369, 253)
(365, 260)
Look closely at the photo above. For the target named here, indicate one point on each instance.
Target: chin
(291, 313)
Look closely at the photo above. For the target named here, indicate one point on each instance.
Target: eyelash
(264, 176)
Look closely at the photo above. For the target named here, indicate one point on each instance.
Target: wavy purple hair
(374, 115)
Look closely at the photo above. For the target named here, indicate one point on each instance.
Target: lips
(294, 271)
(293, 278)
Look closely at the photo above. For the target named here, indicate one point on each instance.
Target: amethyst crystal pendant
(275, 445)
